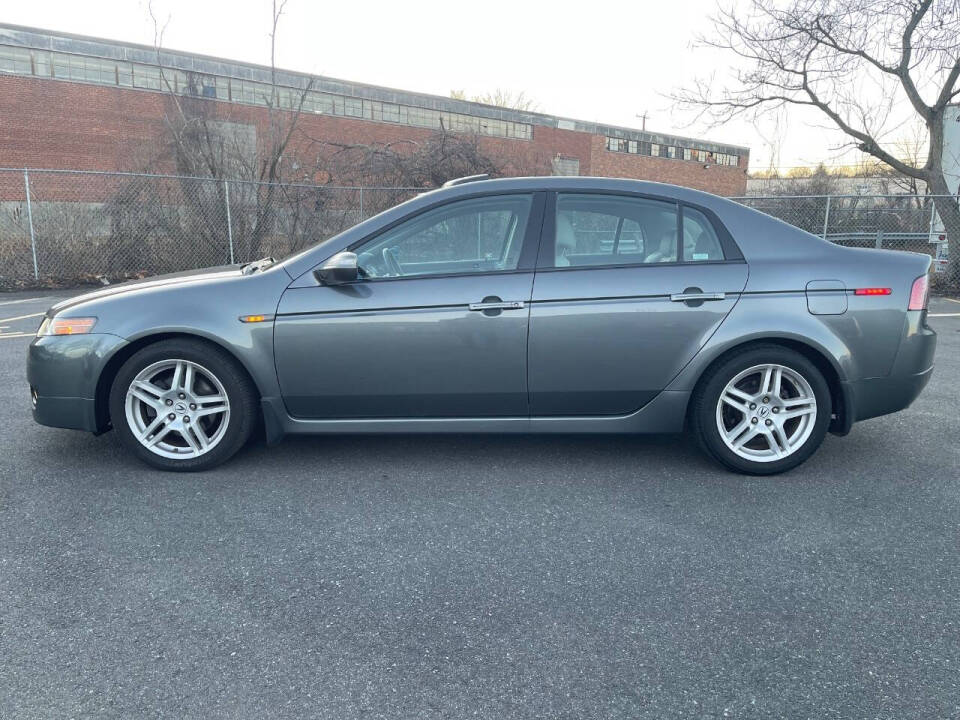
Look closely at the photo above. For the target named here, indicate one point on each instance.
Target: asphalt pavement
(480, 576)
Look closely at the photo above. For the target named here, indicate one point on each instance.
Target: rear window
(614, 230)
(596, 230)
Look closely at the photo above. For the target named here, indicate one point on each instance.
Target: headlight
(66, 326)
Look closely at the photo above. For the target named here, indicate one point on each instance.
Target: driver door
(435, 327)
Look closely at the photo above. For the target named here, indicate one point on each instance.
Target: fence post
(361, 204)
(226, 200)
(826, 217)
(33, 237)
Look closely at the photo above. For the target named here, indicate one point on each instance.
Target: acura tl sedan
(535, 305)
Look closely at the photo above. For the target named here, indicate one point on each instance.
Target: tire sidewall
(709, 395)
(231, 375)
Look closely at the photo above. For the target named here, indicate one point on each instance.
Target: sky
(608, 62)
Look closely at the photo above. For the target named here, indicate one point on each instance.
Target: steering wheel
(390, 260)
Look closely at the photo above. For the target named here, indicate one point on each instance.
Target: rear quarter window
(700, 241)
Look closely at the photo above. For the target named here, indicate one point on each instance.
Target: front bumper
(63, 371)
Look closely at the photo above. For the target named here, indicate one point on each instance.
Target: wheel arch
(840, 400)
(116, 361)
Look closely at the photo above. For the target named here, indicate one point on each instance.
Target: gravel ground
(500, 577)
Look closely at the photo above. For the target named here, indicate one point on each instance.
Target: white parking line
(22, 317)
(943, 314)
(17, 302)
(4, 336)
(950, 300)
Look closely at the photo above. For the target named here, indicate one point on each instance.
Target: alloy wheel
(766, 413)
(177, 409)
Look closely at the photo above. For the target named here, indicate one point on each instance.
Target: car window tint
(700, 241)
(613, 230)
(467, 236)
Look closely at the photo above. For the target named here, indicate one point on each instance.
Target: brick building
(83, 103)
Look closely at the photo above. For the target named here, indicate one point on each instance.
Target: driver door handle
(501, 305)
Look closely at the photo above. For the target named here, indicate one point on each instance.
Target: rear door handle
(502, 305)
(688, 296)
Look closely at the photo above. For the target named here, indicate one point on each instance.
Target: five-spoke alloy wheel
(183, 405)
(763, 410)
(177, 408)
(766, 412)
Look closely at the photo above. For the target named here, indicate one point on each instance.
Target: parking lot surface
(480, 576)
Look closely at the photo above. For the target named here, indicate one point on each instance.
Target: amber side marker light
(255, 318)
(68, 326)
(872, 291)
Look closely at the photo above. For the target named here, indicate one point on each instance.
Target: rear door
(627, 290)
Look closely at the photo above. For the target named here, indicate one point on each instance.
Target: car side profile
(541, 305)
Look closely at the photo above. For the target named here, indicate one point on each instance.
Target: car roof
(465, 186)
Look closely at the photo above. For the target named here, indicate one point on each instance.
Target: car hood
(186, 277)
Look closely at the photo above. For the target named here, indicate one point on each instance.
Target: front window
(468, 236)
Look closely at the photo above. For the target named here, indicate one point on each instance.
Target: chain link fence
(886, 222)
(64, 228)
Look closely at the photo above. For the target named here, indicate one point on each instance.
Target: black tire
(703, 410)
(240, 391)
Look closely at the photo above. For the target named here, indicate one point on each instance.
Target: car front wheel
(762, 411)
(182, 405)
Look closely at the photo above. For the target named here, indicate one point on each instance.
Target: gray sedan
(545, 305)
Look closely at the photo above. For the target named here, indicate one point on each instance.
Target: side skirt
(664, 414)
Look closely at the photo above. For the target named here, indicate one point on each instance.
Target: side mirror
(339, 269)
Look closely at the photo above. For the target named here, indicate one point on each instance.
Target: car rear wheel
(762, 411)
(182, 405)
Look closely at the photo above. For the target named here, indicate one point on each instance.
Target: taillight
(919, 292)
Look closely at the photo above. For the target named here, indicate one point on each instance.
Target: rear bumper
(882, 396)
(63, 372)
(911, 372)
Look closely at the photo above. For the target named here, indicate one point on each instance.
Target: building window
(65, 66)
(206, 86)
(353, 107)
(671, 151)
(15, 60)
(615, 144)
(523, 131)
(146, 76)
(84, 69)
(391, 112)
(319, 103)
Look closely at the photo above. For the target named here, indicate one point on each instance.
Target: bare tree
(911, 148)
(204, 142)
(501, 98)
(852, 61)
(407, 163)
